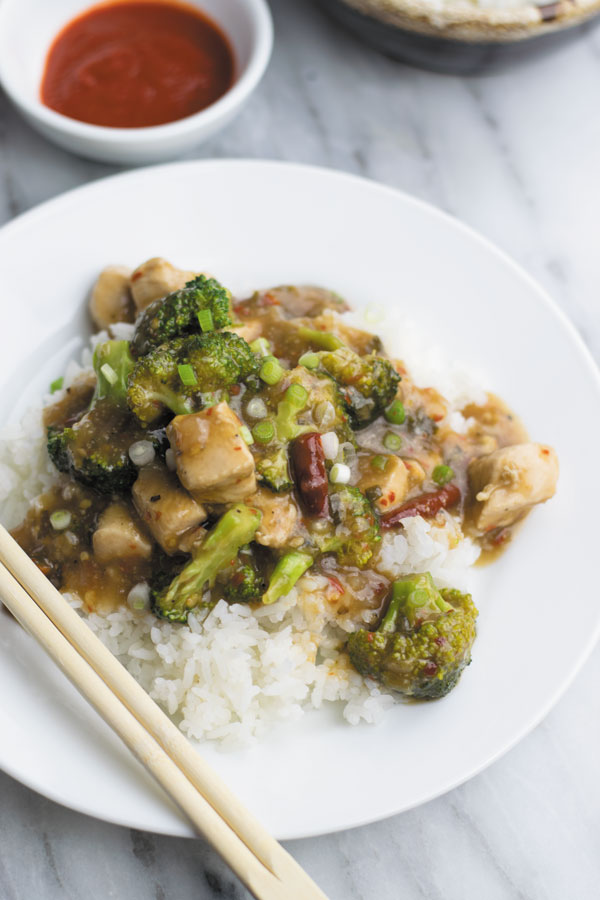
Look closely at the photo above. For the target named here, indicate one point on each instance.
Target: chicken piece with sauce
(213, 460)
(505, 484)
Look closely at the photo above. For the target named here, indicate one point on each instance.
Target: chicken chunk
(168, 510)
(362, 342)
(305, 300)
(111, 299)
(155, 278)
(279, 516)
(118, 537)
(508, 482)
(393, 481)
(213, 460)
(249, 329)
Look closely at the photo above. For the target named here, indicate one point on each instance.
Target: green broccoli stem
(112, 364)
(325, 340)
(286, 573)
(234, 529)
(416, 598)
(288, 409)
(179, 405)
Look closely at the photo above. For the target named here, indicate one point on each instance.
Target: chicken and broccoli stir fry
(231, 446)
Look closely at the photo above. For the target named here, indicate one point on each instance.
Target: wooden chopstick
(259, 861)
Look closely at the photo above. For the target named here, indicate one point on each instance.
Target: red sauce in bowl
(137, 63)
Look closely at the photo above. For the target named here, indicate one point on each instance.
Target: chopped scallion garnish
(109, 373)
(261, 347)
(56, 385)
(205, 319)
(263, 432)
(60, 519)
(271, 371)
(187, 375)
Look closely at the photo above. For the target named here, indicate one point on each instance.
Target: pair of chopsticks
(251, 852)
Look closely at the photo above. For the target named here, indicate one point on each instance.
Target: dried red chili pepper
(308, 467)
(426, 505)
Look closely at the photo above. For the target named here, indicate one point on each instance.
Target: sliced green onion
(379, 462)
(395, 413)
(205, 320)
(340, 474)
(296, 395)
(309, 360)
(60, 519)
(246, 434)
(442, 475)
(263, 432)
(256, 408)
(261, 346)
(271, 371)
(139, 596)
(56, 385)
(109, 373)
(392, 441)
(187, 375)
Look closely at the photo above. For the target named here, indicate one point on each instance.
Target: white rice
(230, 674)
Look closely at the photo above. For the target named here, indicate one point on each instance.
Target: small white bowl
(27, 29)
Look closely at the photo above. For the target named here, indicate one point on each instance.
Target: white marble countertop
(516, 155)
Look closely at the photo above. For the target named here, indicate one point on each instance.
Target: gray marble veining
(516, 155)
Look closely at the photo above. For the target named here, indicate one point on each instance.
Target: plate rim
(67, 198)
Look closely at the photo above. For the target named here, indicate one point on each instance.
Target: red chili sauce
(133, 64)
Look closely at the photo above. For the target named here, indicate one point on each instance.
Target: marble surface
(516, 156)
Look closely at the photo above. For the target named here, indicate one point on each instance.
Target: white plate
(258, 224)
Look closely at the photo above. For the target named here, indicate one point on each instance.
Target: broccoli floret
(246, 584)
(286, 573)
(368, 383)
(212, 361)
(272, 466)
(58, 447)
(317, 400)
(177, 314)
(354, 533)
(273, 471)
(219, 550)
(423, 642)
(113, 364)
(95, 449)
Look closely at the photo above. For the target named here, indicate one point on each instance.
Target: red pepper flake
(545, 451)
(370, 637)
(392, 496)
(269, 299)
(336, 583)
(430, 669)
(501, 537)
